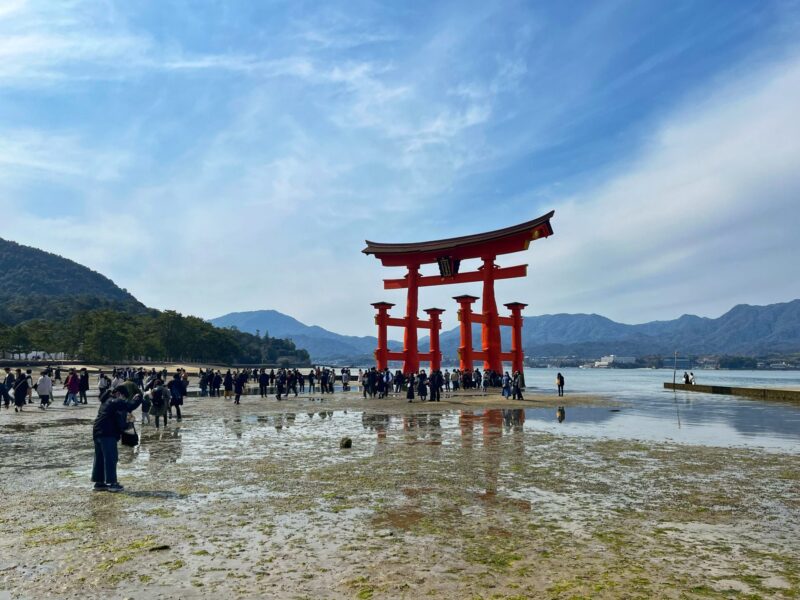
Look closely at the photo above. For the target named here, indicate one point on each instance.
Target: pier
(772, 394)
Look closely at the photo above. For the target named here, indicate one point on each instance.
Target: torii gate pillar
(382, 321)
(465, 360)
(410, 339)
(435, 315)
(490, 332)
(518, 355)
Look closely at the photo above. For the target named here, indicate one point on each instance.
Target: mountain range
(744, 330)
(321, 344)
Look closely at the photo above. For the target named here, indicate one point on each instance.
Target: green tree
(106, 337)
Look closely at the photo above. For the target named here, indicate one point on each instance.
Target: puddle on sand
(399, 518)
(161, 494)
(35, 426)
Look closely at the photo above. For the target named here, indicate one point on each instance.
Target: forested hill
(51, 305)
(35, 284)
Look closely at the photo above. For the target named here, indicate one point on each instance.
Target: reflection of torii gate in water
(448, 254)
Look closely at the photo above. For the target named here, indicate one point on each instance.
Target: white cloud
(705, 217)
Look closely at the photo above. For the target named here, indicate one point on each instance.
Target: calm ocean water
(648, 412)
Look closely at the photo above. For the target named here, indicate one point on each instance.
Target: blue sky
(222, 156)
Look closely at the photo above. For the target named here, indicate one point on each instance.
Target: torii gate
(448, 254)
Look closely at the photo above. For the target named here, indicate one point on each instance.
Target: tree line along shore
(109, 336)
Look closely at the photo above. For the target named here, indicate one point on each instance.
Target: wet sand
(457, 499)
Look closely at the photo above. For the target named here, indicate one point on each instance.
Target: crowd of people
(282, 382)
(163, 393)
(381, 383)
(22, 385)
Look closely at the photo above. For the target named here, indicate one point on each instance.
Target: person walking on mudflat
(227, 383)
(422, 386)
(83, 386)
(44, 388)
(29, 377)
(73, 385)
(7, 386)
(20, 391)
(506, 385)
(560, 384)
(159, 396)
(436, 385)
(177, 392)
(111, 421)
(516, 386)
(238, 387)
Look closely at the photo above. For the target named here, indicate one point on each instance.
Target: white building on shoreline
(613, 360)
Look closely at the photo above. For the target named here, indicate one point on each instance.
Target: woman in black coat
(83, 385)
(422, 387)
(410, 390)
(20, 391)
(238, 387)
(227, 383)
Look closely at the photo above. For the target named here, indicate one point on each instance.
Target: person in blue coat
(506, 383)
(110, 422)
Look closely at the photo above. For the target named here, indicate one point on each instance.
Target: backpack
(157, 397)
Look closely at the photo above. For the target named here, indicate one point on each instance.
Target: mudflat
(457, 499)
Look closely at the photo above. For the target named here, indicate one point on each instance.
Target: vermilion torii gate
(448, 254)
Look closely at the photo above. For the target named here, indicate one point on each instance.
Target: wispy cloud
(333, 29)
(33, 154)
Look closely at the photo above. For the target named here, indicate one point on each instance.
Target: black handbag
(129, 436)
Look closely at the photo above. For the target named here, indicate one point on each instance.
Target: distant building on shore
(680, 363)
(33, 355)
(612, 360)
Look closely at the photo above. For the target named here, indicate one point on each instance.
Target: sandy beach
(457, 499)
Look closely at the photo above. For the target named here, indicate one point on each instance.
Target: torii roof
(491, 243)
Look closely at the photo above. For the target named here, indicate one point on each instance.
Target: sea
(643, 409)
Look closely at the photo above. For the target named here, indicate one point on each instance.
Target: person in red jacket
(73, 385)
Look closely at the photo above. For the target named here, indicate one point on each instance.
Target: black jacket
(21, 387)
(111, 419)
